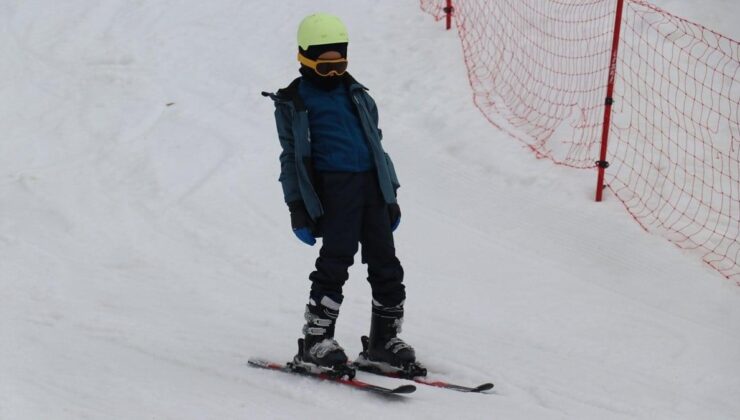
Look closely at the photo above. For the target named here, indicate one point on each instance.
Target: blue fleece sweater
(337, 140)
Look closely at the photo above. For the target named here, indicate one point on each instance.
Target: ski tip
(483, 387)
(254, 362)
(404, 389)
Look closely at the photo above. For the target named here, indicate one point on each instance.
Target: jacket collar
(290, 92)
(353, 84)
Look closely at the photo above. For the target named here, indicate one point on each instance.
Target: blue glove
(304, 234)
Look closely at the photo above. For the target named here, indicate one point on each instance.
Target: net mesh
(539, 68)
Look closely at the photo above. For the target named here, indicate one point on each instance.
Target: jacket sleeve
(389, 162)
(374, 115)
(288, 175)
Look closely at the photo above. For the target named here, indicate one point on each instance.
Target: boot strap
(395, 345)
(316, 320)
(313, 330)
(324, 347)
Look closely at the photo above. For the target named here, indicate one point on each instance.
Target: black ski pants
(355, 212)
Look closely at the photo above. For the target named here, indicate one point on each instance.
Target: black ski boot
(384, 351)
(318, 347)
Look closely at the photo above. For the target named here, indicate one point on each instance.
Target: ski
(426, 381)
(293, 368)
(415, 372)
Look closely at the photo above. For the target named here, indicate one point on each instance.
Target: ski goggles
(325, 67)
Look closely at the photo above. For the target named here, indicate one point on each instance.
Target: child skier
(339, 184)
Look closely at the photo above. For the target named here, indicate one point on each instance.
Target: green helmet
(321, 29)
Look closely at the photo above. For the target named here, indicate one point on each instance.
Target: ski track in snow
(146, 250)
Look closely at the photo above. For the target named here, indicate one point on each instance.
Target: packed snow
(146, 252)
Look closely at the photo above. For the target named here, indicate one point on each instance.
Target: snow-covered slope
(145, 252)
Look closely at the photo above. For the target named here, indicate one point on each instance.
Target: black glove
(299, 217)
(301, 222)
(394, 213)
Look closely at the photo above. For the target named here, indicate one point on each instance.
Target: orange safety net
(539, 68)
